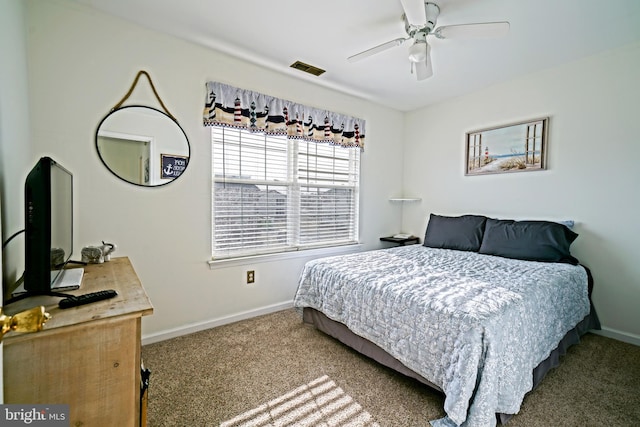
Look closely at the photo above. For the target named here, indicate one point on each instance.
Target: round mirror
(142, 145)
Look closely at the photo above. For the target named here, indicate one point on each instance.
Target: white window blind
(276, 194)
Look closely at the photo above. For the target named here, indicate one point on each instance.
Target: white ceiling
(323, 33)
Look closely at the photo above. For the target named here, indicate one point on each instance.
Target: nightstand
(413, 240)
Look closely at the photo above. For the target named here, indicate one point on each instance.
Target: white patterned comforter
(475, 325)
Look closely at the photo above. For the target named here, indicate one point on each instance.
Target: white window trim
(281, 256)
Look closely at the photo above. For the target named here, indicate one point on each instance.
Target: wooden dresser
(86, 356)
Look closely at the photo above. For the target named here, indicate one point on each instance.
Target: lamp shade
(418, 52)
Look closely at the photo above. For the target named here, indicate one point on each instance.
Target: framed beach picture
(517, 147)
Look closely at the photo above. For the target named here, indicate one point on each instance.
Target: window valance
(241, 108)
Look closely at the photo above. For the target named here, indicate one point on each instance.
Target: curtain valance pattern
(241, 108)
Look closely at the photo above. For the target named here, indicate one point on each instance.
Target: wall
(14, 137)
(15, 143)
(592, 174)
(81, 63)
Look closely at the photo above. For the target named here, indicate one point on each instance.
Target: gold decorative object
(31, 320)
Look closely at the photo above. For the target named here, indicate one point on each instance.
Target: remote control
(75, 300)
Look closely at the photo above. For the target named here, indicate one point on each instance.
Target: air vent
(307, 68)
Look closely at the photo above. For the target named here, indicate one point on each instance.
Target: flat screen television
(48, 193)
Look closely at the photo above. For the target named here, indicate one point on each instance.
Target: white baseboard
(201, 326)
(618, 335)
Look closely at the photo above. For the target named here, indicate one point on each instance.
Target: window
(274, 194)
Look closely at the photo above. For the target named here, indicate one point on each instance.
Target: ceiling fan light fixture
(418, 51)
(420, 20)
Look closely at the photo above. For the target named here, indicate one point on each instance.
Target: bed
(481, 311)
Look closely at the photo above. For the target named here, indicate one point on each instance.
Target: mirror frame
(115, 110)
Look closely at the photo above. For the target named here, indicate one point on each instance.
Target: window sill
(311, 253)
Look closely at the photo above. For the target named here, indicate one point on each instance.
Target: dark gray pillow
(462, 233)
(528, 240)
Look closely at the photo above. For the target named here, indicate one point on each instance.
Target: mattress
(473, 326)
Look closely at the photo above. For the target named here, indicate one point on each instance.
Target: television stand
(87, 356)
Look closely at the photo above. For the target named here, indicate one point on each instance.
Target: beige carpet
(274, 371)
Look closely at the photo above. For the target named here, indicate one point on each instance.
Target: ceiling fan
(420, 18)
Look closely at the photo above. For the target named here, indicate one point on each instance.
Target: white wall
(592, 175)
(81, 63)
(15, 143)
(14, 137)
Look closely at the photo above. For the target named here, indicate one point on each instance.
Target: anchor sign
(173, 166)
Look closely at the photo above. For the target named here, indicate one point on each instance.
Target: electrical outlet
(251, 276)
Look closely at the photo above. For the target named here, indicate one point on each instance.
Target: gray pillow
(528, 240)
(462, 233)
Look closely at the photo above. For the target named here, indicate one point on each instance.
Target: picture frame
(172, 165)
(515, 147)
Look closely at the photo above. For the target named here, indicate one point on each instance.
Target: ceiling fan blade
(472, 31)
(377, 49)
(424, 69)
(415, 12)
